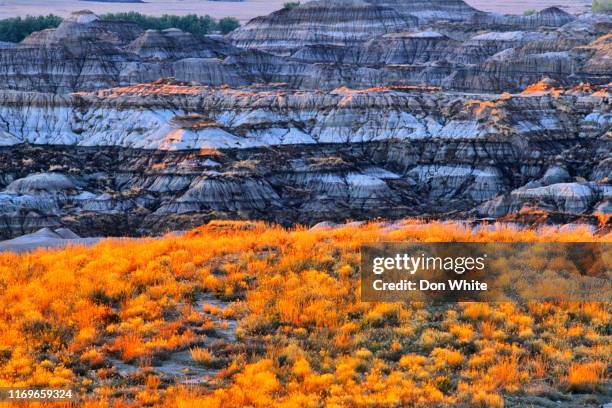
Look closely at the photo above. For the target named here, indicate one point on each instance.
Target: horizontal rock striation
(82, 27)
(349, 22)
(331, 110)
(87, 53)
(550, 17)
(323, 45)
(321, 22)
(325, 22)
(168, 156)
(174, 44)
(431, 10)
(446, 47)
(407, 48)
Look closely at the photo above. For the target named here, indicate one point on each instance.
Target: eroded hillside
(331, 110)
(163, 156)
(323, 45)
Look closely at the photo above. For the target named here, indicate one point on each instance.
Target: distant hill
(114, 1)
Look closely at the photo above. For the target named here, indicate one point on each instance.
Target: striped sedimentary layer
(323, 45)
(156, 156)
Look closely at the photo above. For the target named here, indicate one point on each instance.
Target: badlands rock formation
(45, 238)
(321, 22)
(85, 52)
(333, 110)
(429, 10)
(161, 156)
(324, 45)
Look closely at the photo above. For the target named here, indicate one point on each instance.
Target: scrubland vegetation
(602, 5)
(303, 339)
(17, 28)
(290, 5)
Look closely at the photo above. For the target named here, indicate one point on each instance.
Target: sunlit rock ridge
(328, 111)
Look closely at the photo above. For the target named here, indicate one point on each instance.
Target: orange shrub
(303, 337)
(586, 377)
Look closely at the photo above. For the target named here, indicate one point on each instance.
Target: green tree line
(191, 23)
(602, 5)
(17, 28)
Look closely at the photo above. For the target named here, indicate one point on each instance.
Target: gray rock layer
(165, 156)
(324, 45)
(332, 110)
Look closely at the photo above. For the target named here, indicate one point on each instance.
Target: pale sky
(241, 10)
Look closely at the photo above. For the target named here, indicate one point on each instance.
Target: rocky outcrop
(42, 183)
(321, 22)
(482, 47)
(45, 238)
(406, 48)
(323, 45)
(82, 27)
(599, 58)
(554, 55)
(431, 10)
(572, 198)
(171, 155)
(332, 110)
(351, 22)
(445, 47)
(174, 44)
(86, 53)
(175, 116)
(550, 17)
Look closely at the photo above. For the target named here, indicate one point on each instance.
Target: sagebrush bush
(67, 315)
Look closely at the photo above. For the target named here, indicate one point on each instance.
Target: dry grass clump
(66, 314)
(586, 377)
(203, 356)
(320, 163)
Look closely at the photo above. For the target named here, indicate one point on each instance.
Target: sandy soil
(241, 10)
